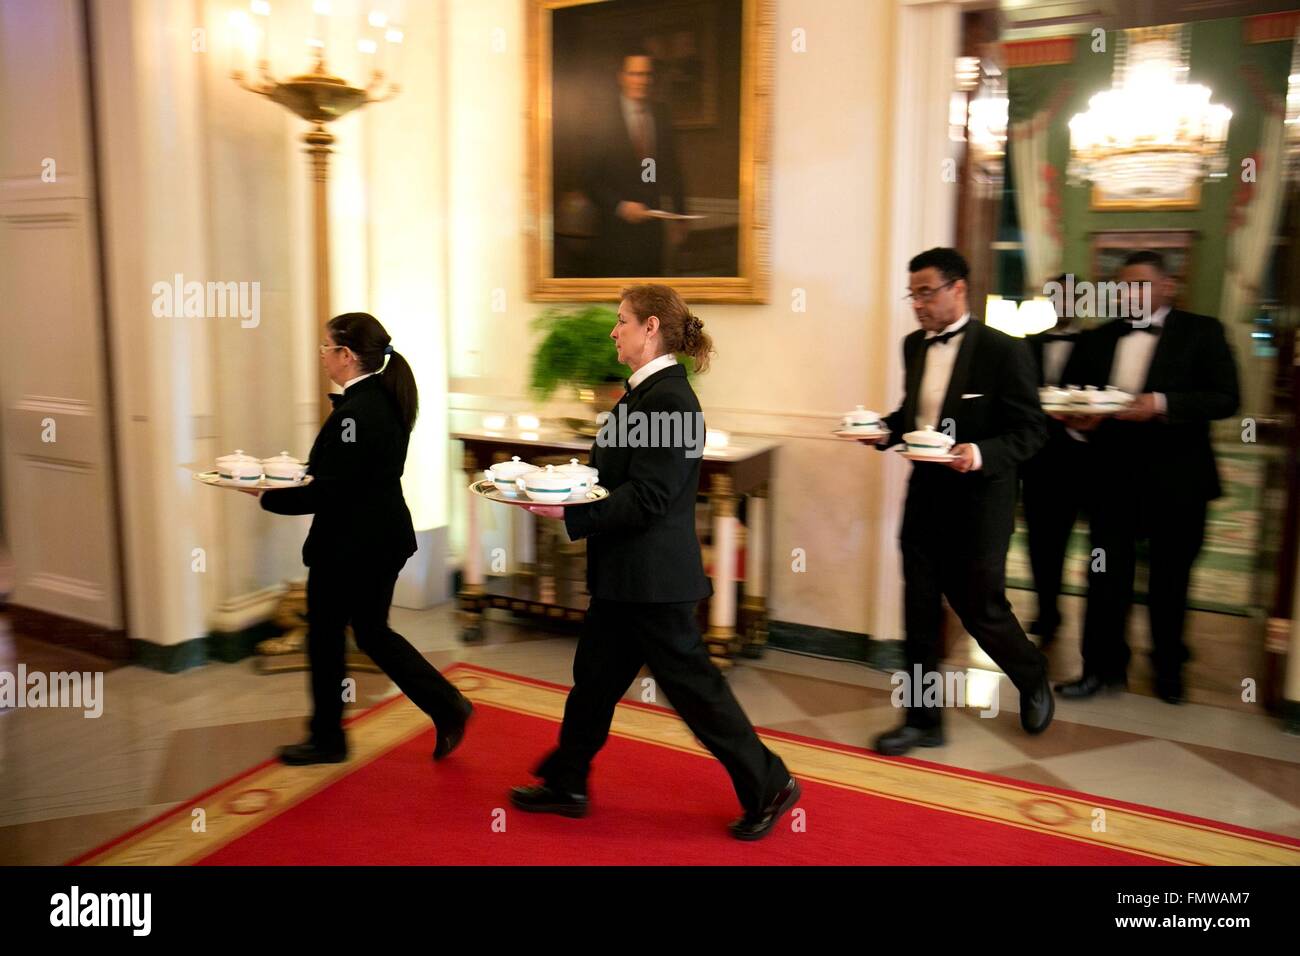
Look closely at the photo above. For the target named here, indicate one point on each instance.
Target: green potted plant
(576, 351)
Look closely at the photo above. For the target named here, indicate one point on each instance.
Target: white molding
(245, 610)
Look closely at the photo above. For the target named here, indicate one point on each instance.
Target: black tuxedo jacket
(1058, 439)
(1001, 414)
(1194, 368)
(1036, 343)
(614, 175)
(356, 465)
(641, 541)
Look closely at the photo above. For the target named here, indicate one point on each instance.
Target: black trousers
(1175, 531)
(1052, 489)
(935, 566)
(617, 640)
(360, 594)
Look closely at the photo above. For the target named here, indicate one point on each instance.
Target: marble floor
(68, 783)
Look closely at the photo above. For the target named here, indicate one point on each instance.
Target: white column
(923, 215)
(756, 549)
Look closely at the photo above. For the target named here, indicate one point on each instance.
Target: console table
(732, 477)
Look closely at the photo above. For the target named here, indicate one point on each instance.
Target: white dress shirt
(352, 381)
(1132, 361)
(635, 113)
(1056, 355)
(939, 360)
(649, 368)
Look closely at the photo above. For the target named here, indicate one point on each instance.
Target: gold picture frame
(750, 283)
(1103, 202)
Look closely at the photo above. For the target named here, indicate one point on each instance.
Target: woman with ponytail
(361, 536)
(646, 577)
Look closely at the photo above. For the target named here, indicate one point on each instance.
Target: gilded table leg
(754, 605)
(721, 635)
(471, 595)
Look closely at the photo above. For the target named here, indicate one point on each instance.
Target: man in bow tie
(1052, 481)
(1154, 474)
(977, 385)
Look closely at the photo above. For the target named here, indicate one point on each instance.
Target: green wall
(1218, 54)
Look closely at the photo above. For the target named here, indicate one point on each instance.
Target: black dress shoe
(449, 738)
(1170, 690)
(900, 740)
(306, 753)
(1037, 708)
(755, 826)
(544, 799)
(1090, 684)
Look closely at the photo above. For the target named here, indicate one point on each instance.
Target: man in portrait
(633, 168)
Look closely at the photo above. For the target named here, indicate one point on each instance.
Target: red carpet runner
(657, 799)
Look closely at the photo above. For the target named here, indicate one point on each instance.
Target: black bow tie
(1128, 326)
(335, 398)
(940, 339)
(1060, 336)
(627, 386)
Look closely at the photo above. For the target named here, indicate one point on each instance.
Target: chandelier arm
(392, 91)
(264, 90)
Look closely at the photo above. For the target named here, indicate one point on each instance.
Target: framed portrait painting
(648, 138)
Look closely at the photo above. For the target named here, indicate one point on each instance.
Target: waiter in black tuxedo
(633, 168)
(361, 535)
(1052, 482)
(1156, 472)
(977, 384)
(646, 577)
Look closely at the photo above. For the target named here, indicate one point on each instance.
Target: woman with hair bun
(646, 578)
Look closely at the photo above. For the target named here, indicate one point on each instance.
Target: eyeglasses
(925, 295)
(330, 348)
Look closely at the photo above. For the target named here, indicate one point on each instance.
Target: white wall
(835, 178)
(209, 180)
(428, 197)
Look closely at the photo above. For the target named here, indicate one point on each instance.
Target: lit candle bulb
(262, 18)
(320, 25)
(238, 40)
(394, 55)
(376, 21)
(367, 47)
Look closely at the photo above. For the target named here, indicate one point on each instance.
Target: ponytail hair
(683, 331)
(371, 344)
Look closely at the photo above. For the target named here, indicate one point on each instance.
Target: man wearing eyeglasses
(979, 386)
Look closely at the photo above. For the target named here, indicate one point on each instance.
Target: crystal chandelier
(977, 115)
(1152, 135)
